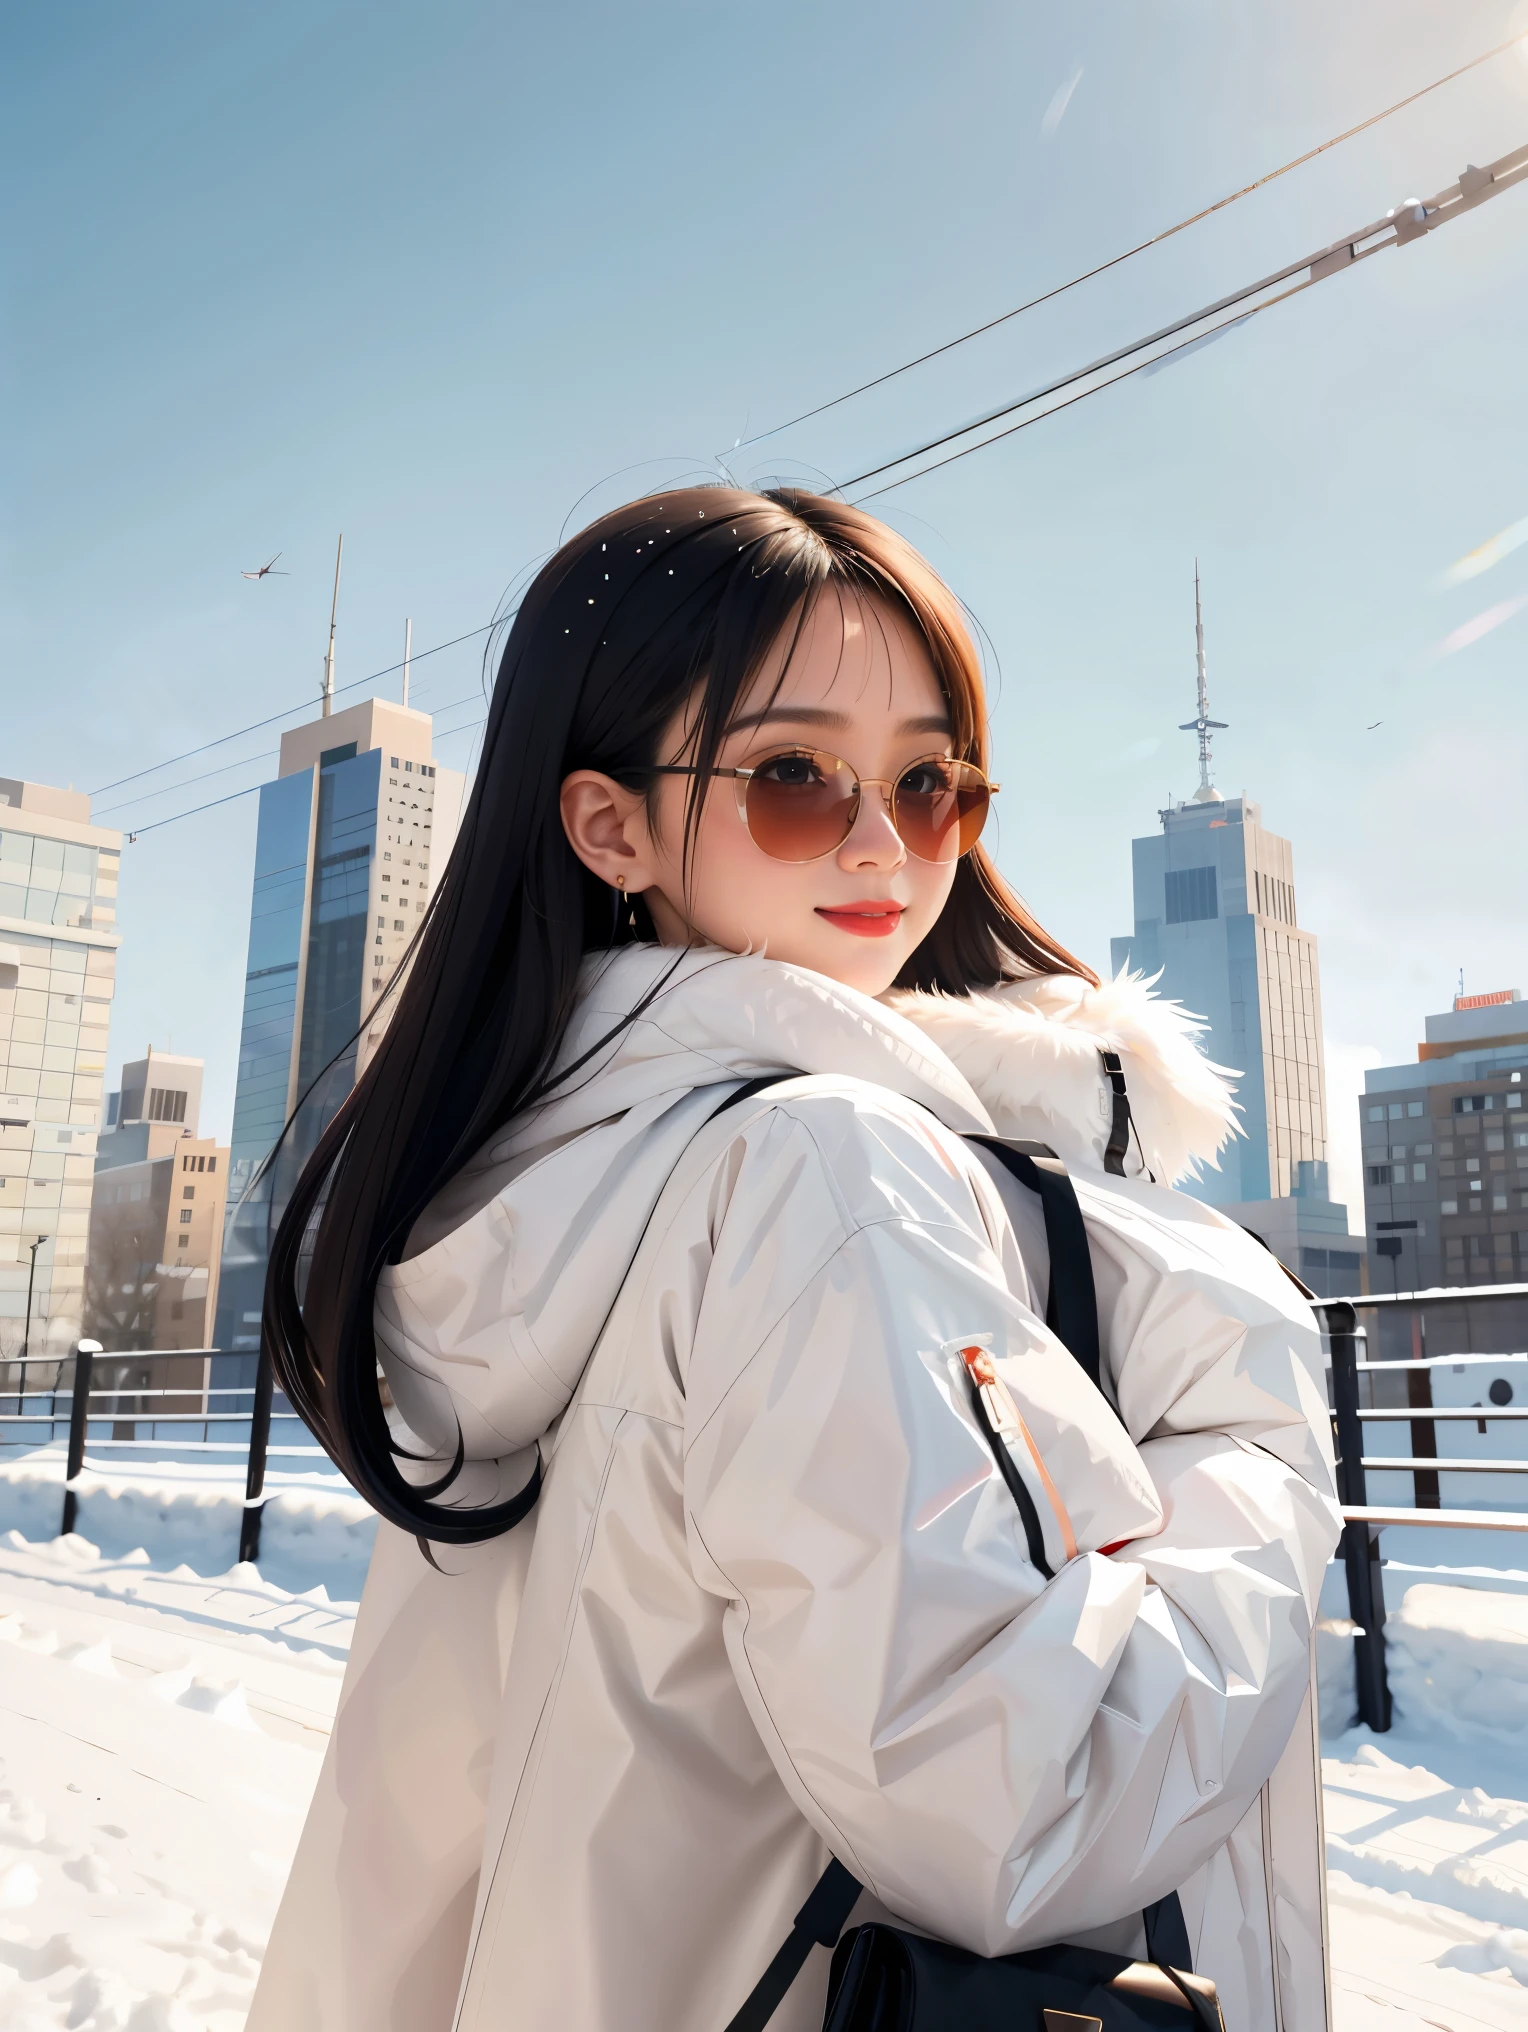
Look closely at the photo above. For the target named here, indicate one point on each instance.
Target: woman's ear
(606, 825)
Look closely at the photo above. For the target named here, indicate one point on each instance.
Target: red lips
(872, 917)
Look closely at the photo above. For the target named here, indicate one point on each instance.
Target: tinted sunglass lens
(801, 806)
(940, 808)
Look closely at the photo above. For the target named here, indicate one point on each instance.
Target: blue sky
(437, 275)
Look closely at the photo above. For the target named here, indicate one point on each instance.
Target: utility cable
(249, 790)
(1408, 221)
(418, 656)
(1129, 254)
(244, 762)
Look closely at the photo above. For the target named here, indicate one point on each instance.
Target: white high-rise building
(58, 955)
(1216, 923)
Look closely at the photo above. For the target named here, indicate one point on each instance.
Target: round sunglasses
(803, 804)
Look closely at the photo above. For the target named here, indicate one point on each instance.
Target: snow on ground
(163, 1713)
(1427, 1825)
(315, 1528)
(160, 1737)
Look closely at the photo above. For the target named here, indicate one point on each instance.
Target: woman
(718, 1576)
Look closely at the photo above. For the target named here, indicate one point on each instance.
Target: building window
(1413, 1107)
(400, 924)
(1394, 1111)
(185, 1216)
(1514, 1100)
(188, 1192)
(1376, 1114)
(1379, 1174)
(1498, 1202)
(1398, 1150)
(1421, 1150)
(181, 1241)
(167, 1104)
(1474, 1185)
(1418, 1174)
(393, 763)
(1472, 1163)
(1450, 1206)
(212, 1163)
(1190, 895)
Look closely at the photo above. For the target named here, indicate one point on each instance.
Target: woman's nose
(874, 841)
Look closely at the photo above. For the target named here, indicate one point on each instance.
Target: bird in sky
(266, 571)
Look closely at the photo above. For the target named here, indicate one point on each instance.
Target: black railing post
(1360, 1542)
(259, 1440)
(79, 1411)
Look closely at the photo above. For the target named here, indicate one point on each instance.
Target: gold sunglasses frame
(741, 778)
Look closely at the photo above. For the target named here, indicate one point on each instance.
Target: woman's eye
(792, 772)
(924, 779)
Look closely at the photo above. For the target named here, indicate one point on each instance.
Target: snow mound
(316, 1533)
(1457, 1660)
(1459, 1657)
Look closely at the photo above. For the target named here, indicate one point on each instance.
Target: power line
(255, 725)
(976, 332)
(1407, 222)
(249, 789)
(244, 762)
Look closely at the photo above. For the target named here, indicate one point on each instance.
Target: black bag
(885, 1979)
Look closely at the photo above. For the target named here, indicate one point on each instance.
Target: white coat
(775, 1600)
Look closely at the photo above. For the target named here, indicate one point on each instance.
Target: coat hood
(485, 1327)
(1031, 1050)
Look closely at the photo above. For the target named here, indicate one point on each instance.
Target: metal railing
(92, 1403)
(1364, 1521)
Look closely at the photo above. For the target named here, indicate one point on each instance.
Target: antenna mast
(1203, 726)
(334, 607)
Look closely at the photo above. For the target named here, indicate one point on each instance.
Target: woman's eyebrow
(824, 716)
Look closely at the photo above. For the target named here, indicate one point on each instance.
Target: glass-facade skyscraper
(349, 837)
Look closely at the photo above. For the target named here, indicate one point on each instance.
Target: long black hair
(672, 600)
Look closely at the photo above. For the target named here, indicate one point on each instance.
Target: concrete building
(1215, 919)
(156, 1213)
(351, 834)
(58, 951)
(1445, 1145)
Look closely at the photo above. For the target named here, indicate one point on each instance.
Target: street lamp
(31, 1280)
(26, 1337)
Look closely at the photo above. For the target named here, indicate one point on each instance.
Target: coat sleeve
(1003, 1760)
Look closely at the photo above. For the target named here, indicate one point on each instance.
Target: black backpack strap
(1167, 1934)
(1071, 1307)
(818, 1924)
(1119, 1120)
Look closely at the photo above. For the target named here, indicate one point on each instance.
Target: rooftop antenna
(1204, 725)
(408, 644)
(334, 607)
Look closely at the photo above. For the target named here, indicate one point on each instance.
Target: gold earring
(631, 913)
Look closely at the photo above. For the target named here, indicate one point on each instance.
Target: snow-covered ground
(163, 1713)
(1427, 1826)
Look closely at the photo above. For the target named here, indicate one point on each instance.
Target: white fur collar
(1031, 1051)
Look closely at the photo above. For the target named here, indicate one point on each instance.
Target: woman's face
(859, 685)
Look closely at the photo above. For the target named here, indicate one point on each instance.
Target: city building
(58, 952)
(1445, 1147)
(1215, 921)
(156, 1213)
(350, 835)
